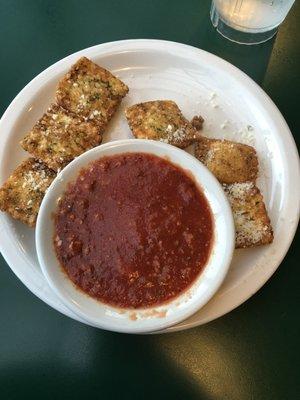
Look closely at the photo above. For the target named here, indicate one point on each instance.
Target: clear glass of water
(249, 21)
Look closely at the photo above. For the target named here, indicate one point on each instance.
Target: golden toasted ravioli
(60, 136)
(161, 120)
(91, 91)
(230, 162)
(252, 224)
(22, 193)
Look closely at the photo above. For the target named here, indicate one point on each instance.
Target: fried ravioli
(230, 162)
(23, 192)
(60, 136)
(161, 120)
(252, 224)
(91, 91)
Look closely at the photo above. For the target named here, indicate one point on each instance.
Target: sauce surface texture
(133, 230)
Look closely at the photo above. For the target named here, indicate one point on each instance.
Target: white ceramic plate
(233, 107)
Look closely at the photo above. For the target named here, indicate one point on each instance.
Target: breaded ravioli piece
(23, 192)
(161, 120)
(230, 162)
(91, 91)
(252, 224)
(60, 136)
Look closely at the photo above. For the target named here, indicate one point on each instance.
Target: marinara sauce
(133, 230)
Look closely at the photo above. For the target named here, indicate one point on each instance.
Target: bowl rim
(150, 147)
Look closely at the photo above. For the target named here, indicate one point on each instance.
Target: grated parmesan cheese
(251, 221)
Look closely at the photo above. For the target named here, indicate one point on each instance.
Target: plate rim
(155, 45)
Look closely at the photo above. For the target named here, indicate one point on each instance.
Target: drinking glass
(249, 21)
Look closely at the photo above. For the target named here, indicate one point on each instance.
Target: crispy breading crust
(252, 224)
(230, 162)
(22, 193)
(197, 122)
(91, 91)
(60, 136)
(161, 120)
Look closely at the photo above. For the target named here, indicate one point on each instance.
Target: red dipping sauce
(133, 230)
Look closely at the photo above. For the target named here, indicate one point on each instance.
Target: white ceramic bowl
(154, 318)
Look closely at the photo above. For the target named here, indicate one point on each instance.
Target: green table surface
(252, 352)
